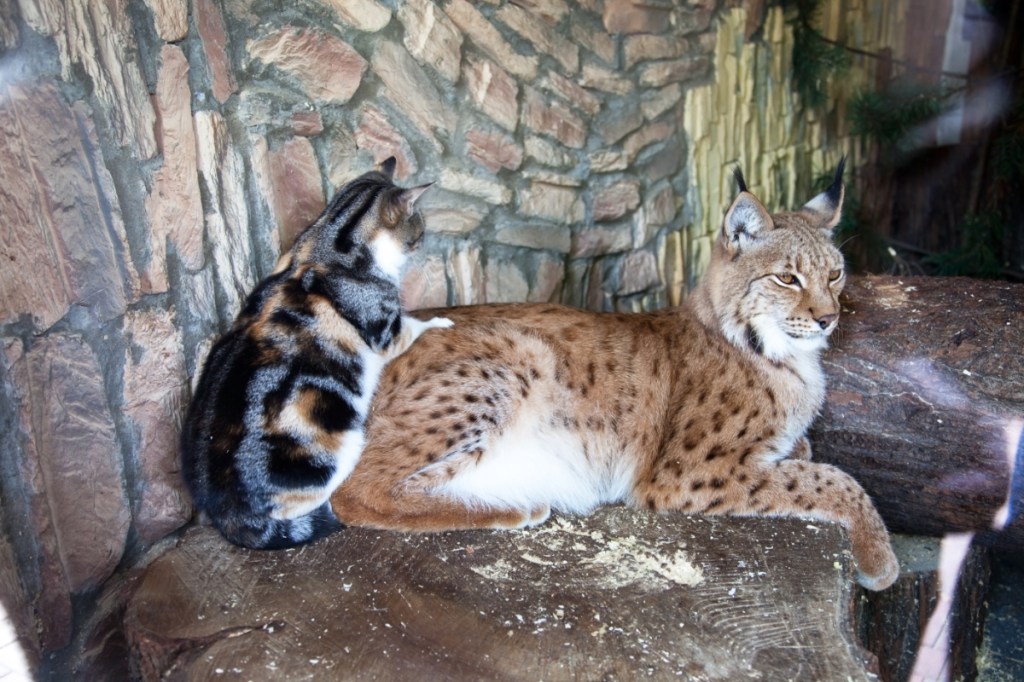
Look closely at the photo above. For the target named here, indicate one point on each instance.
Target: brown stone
(541, 35)
(606, 80)
(614, 201)
(547, 279)
(341, 156)
(639, 273)
(214, 37)
(443, 212)
(595, 40)
(664, 162)
(493, 150)
(515, 232)
(654, 103)
(155, 390)
(366, 15)
(297, 189)
(465, 183)
(640, 48)
(171, 19)
(484, 35)
(694, 19)
(424, 284)
(62, 245)
(431, 37)
(605, 161)
(504, 282)
(552, 202)
(548, 153)
(409, 87)
(493, 91)
(570, 91)
(637, 16)
(69, 450)
(550, 11)
(378, 136)
(554, 119)
(222, 172)
(174, 206)
(615, 123)
(649, 134)
(600, 241)
(660, 205)
(658, 74)
(325, 67)
(466, 275)
(9, 38)
(98, 38)
(307, 123)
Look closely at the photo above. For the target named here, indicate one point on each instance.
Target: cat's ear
(407, 198)
(827, 207)
(387, 167)
(745, 220)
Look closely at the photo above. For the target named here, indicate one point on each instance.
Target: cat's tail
(266, 533)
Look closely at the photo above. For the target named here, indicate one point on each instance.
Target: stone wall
(157, 155)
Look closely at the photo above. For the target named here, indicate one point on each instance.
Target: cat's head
(368, 217)
(775, 279)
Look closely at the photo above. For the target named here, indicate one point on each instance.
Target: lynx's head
(774, 279)
(369, 221)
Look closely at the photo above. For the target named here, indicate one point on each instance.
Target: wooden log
(926, 400)
(891, 623)
(621, 594)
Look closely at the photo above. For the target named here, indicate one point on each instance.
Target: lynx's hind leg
(434, 419)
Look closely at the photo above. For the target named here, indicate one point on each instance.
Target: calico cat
(276, 422)
(524, 409)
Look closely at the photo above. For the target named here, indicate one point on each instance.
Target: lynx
(519, 410)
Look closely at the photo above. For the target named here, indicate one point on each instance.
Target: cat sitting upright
(276, 422)
(521, 409)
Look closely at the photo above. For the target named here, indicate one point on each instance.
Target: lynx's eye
(834, 275)
(787, 278)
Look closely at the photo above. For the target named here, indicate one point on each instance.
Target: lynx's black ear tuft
(741, 184)
(828, 206)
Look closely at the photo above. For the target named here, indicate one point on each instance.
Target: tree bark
(926, 402)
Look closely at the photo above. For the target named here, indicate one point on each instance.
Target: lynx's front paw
(877, 566)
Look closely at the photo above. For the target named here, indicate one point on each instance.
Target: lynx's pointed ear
(745, 220)
(387, 167)
(828, 206)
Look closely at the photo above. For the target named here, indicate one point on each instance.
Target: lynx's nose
(825, 320)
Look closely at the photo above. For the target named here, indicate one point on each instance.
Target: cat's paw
(439, 323)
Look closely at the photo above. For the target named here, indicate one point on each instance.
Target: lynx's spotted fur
(521, 409)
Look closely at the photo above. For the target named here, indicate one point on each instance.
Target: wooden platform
(621, 594)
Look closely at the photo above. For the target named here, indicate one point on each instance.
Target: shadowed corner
(932, 661)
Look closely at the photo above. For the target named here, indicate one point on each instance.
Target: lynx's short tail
(261, 532)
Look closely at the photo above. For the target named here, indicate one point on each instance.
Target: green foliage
(815, 59)
(979, 253)
(890, 117)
